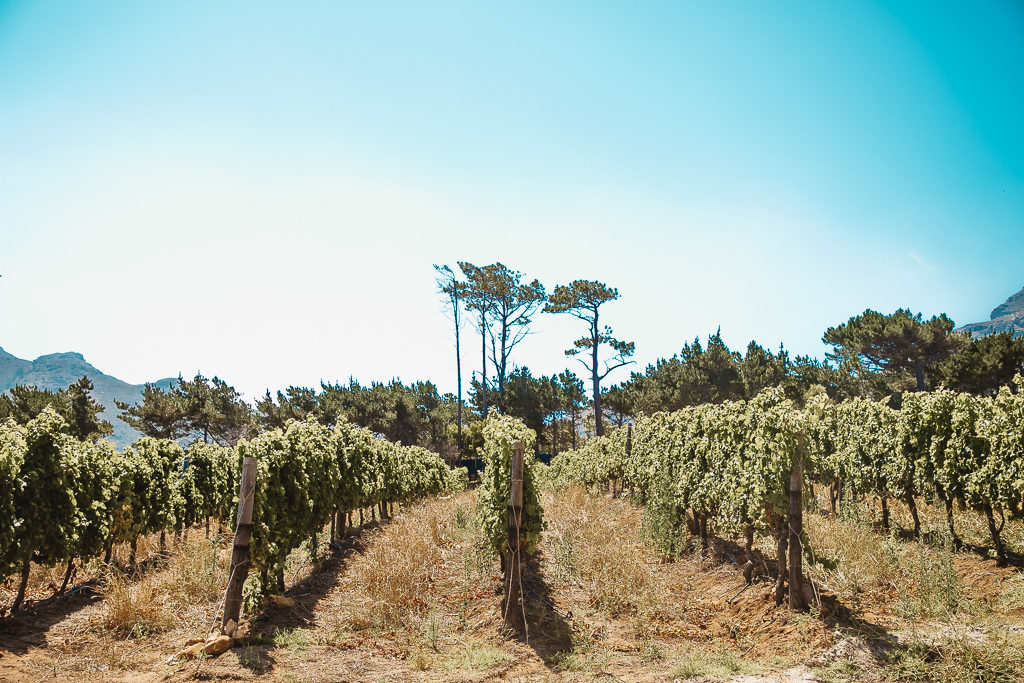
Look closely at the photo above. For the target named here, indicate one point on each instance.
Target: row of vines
(63, 499)
(728, 467)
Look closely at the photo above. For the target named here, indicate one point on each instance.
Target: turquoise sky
(258, 190)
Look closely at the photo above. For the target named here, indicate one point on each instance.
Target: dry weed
(395, 572)
(135, 608)
(194, 576)
(586, 542)
(858, 559)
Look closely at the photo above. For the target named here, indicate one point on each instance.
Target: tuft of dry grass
(997, 658)
(585, 542)
(398, 565)
(862, 565)
(196, 573)
(135, 608)
(858, 560)
(194, 576)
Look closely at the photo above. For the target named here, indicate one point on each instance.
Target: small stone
(190, 652)
(230, 628)
(281, 601)
(218, 645)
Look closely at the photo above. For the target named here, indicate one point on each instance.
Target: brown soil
(454, 631)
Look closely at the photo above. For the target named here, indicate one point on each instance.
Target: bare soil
(700, 623)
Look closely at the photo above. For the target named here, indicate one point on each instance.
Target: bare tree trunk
(483, 353)
(919, 374)
(947, 501)
(22, 584)
(458, 373)
(67, 576)
(598, 422)
(995, 532)
(909, 498)
(781, 547)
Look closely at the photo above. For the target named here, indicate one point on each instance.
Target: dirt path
(416, 600)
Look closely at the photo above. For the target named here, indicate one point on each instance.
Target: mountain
(58, 370)
(1007, 317)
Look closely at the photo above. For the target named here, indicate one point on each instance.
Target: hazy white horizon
(260, 193)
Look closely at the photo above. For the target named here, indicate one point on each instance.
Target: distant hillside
(1007, 317)
(58, 370)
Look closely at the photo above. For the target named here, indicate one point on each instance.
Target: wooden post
(796, 524)
(243, 532)
(512, 609)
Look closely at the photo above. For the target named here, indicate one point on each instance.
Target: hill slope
(1007, 317)
(58, 370)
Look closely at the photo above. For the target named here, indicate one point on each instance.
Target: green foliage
(212, 409)
(501, 434)
(984, 365)
(12, 457)
(414, 414)
(208, 483)
(895, 344)
(307, 472)
(61, 497)
(207, 409)
(75, 405)
(44, 495)
(160, 414)
(506, 304)
(95, 472)
(583, 299)
(730, 462)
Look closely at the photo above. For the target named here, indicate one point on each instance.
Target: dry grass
(135, 608)
(856, 561)
(918, 579)
(997, 658)
(398, 565)
(162, 598)
(587, 542)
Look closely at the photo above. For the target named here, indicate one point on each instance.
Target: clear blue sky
(258, 190)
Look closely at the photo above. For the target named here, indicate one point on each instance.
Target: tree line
(873, 355)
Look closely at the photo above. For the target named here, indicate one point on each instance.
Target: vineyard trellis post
(796, 523)
(512, 609)
(243, 533)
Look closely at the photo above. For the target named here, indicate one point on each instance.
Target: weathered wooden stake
(796, 525)
(512, 609)
(243, 533)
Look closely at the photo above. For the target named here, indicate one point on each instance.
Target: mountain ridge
(58, 370)
(1006, 317)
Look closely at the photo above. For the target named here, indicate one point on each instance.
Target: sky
(259, 190)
